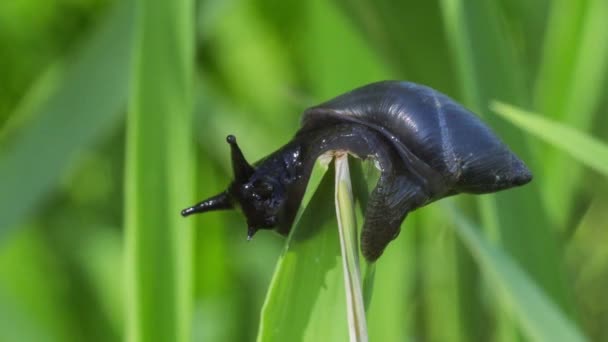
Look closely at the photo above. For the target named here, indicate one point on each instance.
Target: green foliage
(308, 276)
(69, 108)
(349, 247)
(538, 317)
(159, 174)
(579, 146)
(569, 88)
(528, 263)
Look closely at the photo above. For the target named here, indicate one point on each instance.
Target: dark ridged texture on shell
(440, 132)
(444, 149)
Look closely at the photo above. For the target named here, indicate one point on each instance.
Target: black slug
(425, 144)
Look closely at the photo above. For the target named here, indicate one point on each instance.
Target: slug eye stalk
(240, 167)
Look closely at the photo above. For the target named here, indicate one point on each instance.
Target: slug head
(260, 196)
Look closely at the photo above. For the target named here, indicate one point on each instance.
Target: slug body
(426, 145)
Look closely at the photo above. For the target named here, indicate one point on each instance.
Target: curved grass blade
(305, 301)
(347, 226)
(490, 67)
(306, 298)
(570, 89)
(364, 179)
(578, 145)
(539, 318)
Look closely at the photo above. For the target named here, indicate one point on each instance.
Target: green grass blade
(578, 145)
(387, 284)
(479, 44)
(159, 174)
(539, 318)
(391, 310)
(393, 28)
(305, 300)
(364, 179)
(570, 88)
(490, 67)
(71, 116)
(347, 226)
(442, 312)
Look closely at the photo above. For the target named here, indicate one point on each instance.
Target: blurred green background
(71, 70)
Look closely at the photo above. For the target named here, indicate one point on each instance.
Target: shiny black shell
(423, 123)
(442, 149)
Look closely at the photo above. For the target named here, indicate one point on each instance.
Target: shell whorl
(440, 132)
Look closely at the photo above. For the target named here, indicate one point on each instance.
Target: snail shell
(426, 145)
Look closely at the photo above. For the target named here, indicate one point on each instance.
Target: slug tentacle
(426, 145)
(240, 167)
(220, 201)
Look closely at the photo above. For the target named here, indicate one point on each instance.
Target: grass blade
(159, 174)
(578, 145)
(393, 28)
(539, 318)
(442, 313)
(490, 68)
(70, 117)
(569, 89)
(349, 245)
(305, 300)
